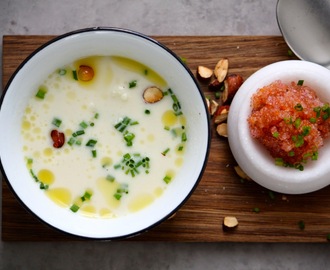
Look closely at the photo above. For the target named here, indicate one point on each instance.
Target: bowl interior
(69, 48)
(252, 156)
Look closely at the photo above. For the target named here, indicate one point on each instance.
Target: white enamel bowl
(252, 157)
(66, 49)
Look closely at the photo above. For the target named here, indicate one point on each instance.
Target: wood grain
(221, 192)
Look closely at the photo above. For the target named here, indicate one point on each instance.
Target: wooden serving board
(221, 192)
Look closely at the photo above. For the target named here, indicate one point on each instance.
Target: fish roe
(290, 121)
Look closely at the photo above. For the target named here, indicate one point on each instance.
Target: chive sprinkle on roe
(290, 121)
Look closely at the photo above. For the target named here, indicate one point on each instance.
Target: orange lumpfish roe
(290, 121)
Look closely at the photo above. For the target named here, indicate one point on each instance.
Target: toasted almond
(208, 105)
(213, 107)
(204, 73)
(215, 85)
(231, 85)
(222, 130)
(229, 223)
(152, 94)
(220, 118)
(221, 69)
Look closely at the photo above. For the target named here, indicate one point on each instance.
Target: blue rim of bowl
(129, 32)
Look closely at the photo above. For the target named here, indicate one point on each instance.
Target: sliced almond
(204, 73)
(222, 130)
(230, 223)
(241, 173)
(152, 94)
(221, 114)
(221, 69)
(221, 118)
(208, 104)
(213, 107)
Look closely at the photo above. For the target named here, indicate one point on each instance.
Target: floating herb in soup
(104, 136)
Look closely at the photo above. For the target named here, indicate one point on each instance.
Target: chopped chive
(180, 148)
(29, 161)
(43, 186)
(184, 137)
(300, 82)
(91, 143)
(312, 120)
(94, 153)
(318, 111)
(41, 93)
(34, 175)
(132, 84)
(74, 208)
(62, 71)
(165, 151)
(110, 178)
(78, 142)
(297, 123)
(291, 154)
(134, 123)
(275, 134)
(325, 116)
(57, 122)
(256, 210)
(74, 75)
(217, 95)
(298, 107)
(167, 128)
(290, 53)
(117, 166)
(167, 179)
(271, 194)
(78, 133)
(146, 72)
(301, 225)
(184, 60)
(96, 115)
(83, 124)
(147, 111)
(315, 155)
(71, 141)
(117, 196)
(306, 130)
(279, 162)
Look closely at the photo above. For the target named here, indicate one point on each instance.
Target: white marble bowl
(252, 157)
(66, 49)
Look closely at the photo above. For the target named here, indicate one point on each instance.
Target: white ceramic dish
(66, 49)
(252, 157)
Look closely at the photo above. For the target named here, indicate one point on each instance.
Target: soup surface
(94, 143)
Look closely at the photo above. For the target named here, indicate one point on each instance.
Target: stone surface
(157, 17)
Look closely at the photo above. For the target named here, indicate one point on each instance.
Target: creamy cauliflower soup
(104, 136)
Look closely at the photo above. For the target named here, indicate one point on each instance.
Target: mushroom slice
(152, 94)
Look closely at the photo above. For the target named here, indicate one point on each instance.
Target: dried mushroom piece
(152, 94)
